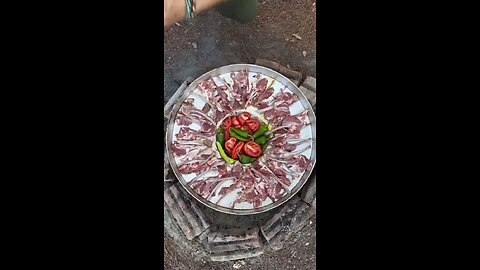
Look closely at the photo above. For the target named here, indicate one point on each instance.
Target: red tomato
(230, 144)
(227, 135)
(226, 124)
(236, 150)
(243, 117)
(252, 149)
(253, 125)
(235, 121)
(241, 152)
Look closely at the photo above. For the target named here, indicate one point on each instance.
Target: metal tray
(235, 68)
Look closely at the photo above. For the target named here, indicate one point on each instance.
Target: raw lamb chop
(271, 175)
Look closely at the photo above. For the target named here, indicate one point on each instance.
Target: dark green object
(224, 156)
(262, 140)
(238, 137)
(239, 134)
(264, 147)
(261, 130)
(220, 136)
(242, 11)
(246, 159)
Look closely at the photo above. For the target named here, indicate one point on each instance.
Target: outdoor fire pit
(208, 192)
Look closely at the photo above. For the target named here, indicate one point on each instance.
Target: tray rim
(235, 68)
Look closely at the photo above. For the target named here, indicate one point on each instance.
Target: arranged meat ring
(242, 140)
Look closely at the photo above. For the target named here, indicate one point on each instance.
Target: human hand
(173, 11)
(176, 10)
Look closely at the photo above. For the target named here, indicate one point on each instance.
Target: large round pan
(235, 68)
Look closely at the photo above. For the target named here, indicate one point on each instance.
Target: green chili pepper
(261, 130)
(264, 147)
(262, 140)
(238, 137)
(224, 156)
(240, 132)
(220, 136)
(246, 159)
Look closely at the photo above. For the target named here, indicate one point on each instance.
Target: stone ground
(220, 41)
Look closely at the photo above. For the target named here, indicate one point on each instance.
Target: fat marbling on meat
(272, 174)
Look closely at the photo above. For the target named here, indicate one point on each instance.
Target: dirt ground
(220, 41)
